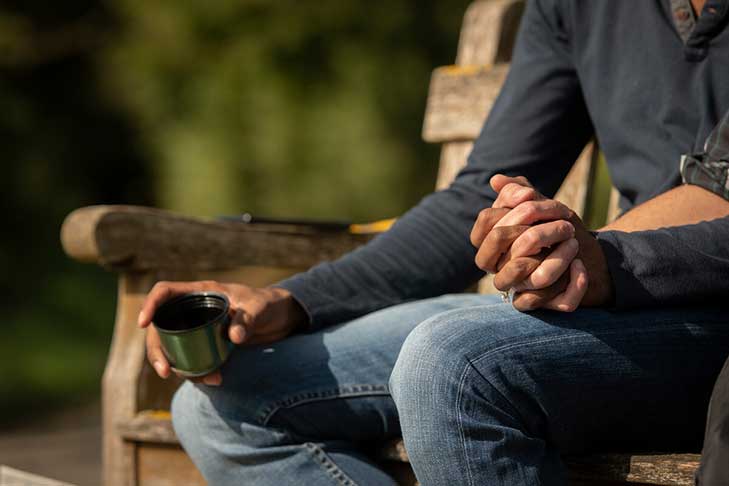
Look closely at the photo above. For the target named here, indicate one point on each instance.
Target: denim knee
(426, 361)
(435, 368)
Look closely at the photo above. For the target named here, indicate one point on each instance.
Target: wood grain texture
(453, 157)
(488, 32)
(575, 189)
(14, 477)
(166, 465)
(133, 238)
(613, 212)
(119, 383)
(151, 426)
(459, 100)
(656, 469)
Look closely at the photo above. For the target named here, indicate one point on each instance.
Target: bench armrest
(134, 238)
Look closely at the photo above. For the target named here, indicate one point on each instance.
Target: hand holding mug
(257, 316)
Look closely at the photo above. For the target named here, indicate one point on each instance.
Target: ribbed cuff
(629, 291)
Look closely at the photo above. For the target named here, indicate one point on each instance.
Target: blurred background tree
(308, 109)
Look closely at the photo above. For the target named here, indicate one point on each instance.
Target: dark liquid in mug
(188, 313)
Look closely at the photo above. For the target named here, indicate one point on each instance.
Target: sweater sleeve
(676, 266)
(682, 264)
(536, 128)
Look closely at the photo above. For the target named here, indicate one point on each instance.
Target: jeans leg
(714, 468)
(298, 411)
(489, 395)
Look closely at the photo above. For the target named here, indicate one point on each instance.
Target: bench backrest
(462, 95)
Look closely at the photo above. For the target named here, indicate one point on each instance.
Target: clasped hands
(539, 248)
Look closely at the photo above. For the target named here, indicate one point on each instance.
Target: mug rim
(224, 312)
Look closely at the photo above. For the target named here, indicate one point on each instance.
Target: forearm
(672, 250)
(683, 205)
(536, 127)
(426, 253)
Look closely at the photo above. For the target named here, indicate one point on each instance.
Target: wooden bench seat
(155, 427)
(145, 245)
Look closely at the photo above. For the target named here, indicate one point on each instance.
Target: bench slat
(134, 238)
(459, 100)
(652, 469)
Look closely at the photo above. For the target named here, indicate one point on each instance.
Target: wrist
(600, 291)
(293, 311)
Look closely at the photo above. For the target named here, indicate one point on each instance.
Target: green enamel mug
(193, 330)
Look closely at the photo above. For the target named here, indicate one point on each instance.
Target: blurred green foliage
(278, 108)
(265, 104)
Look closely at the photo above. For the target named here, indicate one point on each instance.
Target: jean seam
(470, 367)
(352, 391)
(461, 432)
(329, 466)
(564, 337)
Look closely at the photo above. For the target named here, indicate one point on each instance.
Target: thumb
(498, 181)
(237, 331)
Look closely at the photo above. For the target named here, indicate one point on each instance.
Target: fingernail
(211, 380)
(238, 333)
(573, 243)
(159, 367)
(141, 319)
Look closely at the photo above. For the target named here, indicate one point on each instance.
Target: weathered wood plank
(575, 189)
(139, 239)
(659, 469)
(655, 469)
(14, 477)
(166, 465)
(119, 383)
(152, 426)
(613, 206)
(459, 100)
(452, 159)
(488, 32)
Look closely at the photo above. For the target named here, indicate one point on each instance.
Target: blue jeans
(482, 394)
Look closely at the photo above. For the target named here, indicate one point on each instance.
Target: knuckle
(530, 209)
(566, 226)
(511, 188)
(160, 286)
(521, 266)
(528, 193)
(527, 302)
(498, 238)
(540, 278)
(483, 216)
(481, 262)
(500, 284)
(532, 239)
(570, 306)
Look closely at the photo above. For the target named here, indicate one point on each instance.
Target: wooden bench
(144, 245)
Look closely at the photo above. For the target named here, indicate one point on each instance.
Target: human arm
(258, 316)
(674, 249)
(686, 209)
(537, 127)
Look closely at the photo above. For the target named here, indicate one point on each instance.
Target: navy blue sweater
(618, 70)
